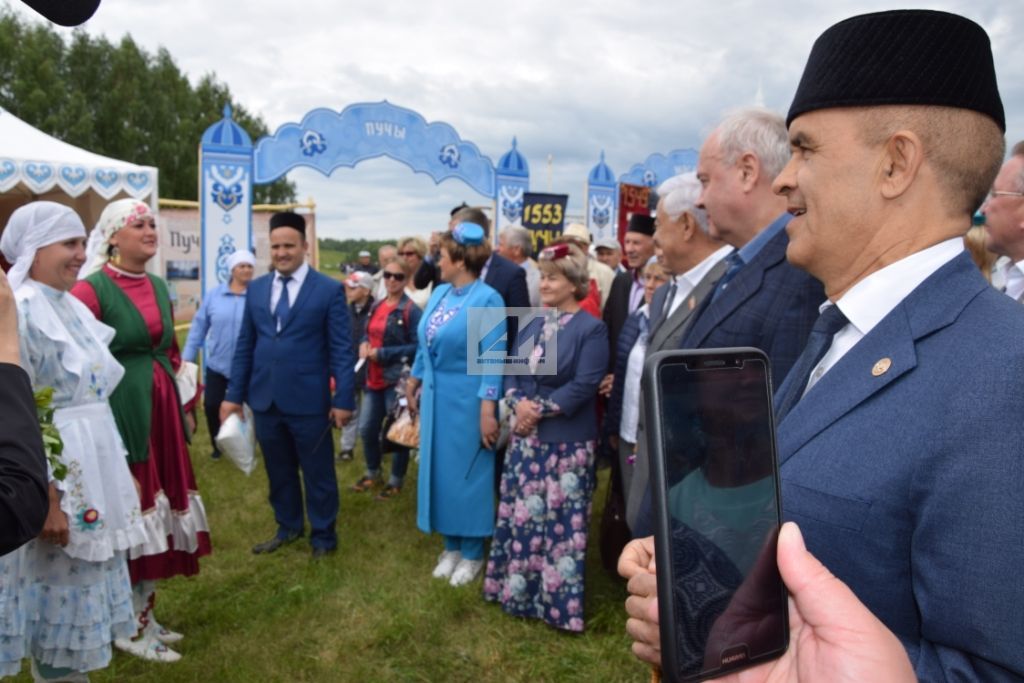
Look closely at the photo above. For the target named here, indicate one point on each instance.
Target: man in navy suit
(900, 434)
(295, 337)
(760, 300)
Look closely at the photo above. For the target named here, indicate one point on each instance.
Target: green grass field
(371, 612)
(330, 262)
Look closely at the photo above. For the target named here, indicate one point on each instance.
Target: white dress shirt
(874, 297)
(686, 282)
(294, 285)
(1013, 279)
(631, 386)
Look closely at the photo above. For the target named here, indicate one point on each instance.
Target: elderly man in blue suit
(760, 300)
(295, 337)
(900, 436)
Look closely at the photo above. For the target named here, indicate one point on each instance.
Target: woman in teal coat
(458, 423)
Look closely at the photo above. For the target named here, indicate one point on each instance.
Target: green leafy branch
(53, 445)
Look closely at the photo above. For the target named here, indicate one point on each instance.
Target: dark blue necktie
(735, 262)
(283, 305)
(828, 323)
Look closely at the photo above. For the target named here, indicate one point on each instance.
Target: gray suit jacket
(668, 334)
(664, 335)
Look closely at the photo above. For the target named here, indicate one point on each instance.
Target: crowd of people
(832, 239)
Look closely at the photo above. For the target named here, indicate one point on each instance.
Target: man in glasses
(1004, 223)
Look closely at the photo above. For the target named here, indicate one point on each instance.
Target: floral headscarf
(117, 215)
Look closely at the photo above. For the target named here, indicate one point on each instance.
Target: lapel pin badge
(881, 367)
(692, 302)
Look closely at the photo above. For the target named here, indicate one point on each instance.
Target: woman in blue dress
(66, 595)
(458, 423)
(537, 558)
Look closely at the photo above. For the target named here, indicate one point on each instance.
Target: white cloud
(568, 78)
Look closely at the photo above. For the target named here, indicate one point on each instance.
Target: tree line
(335, 253)
(118, 100)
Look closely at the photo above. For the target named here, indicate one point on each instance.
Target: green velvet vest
(132, 346)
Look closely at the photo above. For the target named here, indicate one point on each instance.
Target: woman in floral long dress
(537, 558)
(147, 408)
(66, 595)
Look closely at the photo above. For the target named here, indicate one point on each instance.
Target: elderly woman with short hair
(411, 252)
(537, 559)
(458, 422)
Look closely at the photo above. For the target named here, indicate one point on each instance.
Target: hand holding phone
(722, 603)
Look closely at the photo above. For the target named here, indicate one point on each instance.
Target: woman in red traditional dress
(147, 409)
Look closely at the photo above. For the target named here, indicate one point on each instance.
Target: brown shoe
(365, 484)
(388, 492)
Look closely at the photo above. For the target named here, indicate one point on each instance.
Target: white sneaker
(446, 562)
(164, 635)
(149, 648)
(466, 571)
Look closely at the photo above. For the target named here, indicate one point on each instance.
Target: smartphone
(715, 482)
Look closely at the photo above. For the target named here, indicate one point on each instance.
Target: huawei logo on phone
(734, 654)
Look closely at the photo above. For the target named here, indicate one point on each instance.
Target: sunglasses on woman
(397, 276)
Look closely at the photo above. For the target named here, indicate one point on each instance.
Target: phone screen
(719, 511)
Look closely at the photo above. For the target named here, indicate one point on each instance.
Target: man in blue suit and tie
(295, 337)
(900, 436)
(760, 300)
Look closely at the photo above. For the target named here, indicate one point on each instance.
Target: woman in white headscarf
(71, 584)
(215, 330)
(147, 409)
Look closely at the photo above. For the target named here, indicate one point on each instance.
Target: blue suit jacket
(292, 369)
(581, 364)
(769, 305)
(508, 280)
(909, 485)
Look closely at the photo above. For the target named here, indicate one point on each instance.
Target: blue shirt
(749, 250)
(215, 329)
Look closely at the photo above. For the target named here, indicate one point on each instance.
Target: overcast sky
(568, 78)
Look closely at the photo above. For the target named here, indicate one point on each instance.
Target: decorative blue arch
(326, 140)
(658, 168)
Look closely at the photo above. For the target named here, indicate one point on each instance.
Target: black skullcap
(288, 219)
(915, 57)
(642, 223)
(458, 208)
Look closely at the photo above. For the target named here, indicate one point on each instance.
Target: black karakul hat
(915, 57)
(642, 223)
(288, 219)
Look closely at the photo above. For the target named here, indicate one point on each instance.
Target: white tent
(34, 165)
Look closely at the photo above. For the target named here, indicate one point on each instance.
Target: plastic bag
(187, 379)
(237, 440)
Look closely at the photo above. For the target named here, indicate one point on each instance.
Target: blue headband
(468, 234)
